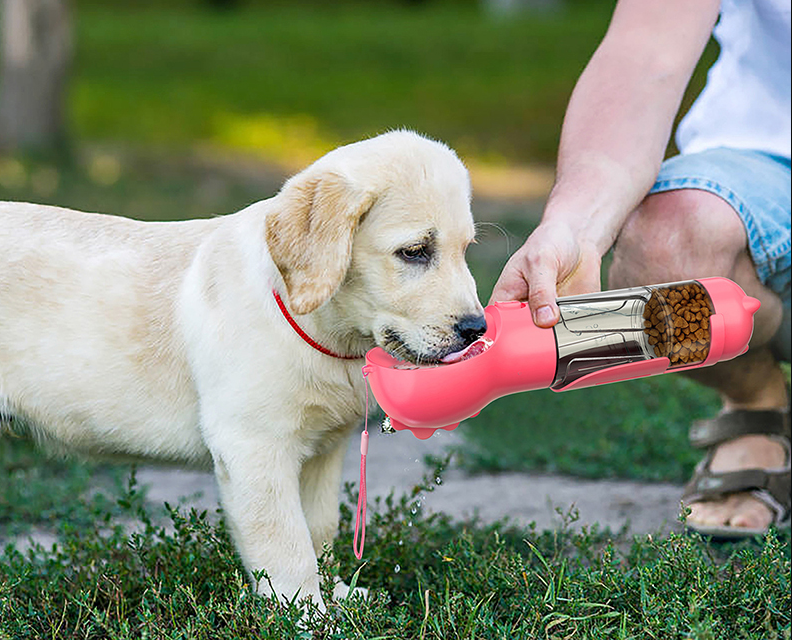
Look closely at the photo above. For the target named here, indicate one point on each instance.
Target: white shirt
(746, 101)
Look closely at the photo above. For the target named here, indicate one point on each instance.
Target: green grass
(36, 490)
(289, 81)
(430, 578)
(634, 429)
(135, 182)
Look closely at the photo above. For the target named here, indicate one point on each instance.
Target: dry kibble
(676, 323)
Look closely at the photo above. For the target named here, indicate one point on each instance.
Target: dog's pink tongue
(473, 349)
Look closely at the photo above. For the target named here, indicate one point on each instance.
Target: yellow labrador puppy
(173, 341)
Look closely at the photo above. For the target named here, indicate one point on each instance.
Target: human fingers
(531, 274)
(511, 284)
(585, 276)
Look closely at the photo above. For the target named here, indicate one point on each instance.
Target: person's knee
(647, 244)
(677, 235)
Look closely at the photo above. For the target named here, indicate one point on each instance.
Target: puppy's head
(378, 229)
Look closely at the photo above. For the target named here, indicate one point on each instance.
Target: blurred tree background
(36, 37)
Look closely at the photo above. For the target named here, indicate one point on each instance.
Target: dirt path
(395, 462)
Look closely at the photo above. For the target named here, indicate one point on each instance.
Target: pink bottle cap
(732, 325)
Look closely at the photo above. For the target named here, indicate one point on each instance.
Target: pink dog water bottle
(600, 338)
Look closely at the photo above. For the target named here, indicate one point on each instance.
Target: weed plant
(429, 578)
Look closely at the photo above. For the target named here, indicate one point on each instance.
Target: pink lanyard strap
(360, 521)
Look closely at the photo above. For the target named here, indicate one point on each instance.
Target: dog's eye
(414, 253)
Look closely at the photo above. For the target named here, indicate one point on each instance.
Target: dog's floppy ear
(310, 233)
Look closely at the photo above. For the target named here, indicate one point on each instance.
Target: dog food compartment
(603, 330)
(677, 325)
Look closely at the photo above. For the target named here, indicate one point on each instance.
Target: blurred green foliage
(286, 81)
(178, 74)
(137, 183)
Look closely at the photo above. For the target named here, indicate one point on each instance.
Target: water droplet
(438, 480)
(401, 543)
(396, 569)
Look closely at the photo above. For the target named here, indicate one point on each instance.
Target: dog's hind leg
(320, 484)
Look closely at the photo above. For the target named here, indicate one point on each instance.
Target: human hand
(552, 262)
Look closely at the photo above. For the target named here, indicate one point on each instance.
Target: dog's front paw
(341, 590)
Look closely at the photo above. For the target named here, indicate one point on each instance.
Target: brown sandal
(770, 486)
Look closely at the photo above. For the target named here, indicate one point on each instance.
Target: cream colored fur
(163, 340)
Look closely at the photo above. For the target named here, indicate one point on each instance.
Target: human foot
(742, 486)
(740, 510)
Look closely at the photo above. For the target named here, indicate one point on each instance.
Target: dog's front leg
(260, 492)
(320, 482)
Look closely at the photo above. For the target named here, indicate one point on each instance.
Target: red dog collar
(304, 335)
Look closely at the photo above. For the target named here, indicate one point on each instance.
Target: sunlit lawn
(261, 78)
(289, 81)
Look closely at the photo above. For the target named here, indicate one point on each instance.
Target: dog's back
(85, 304)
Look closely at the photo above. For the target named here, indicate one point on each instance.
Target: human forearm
(615, 131)
(620, 116)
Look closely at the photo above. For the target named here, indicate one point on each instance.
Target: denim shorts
(757, 186)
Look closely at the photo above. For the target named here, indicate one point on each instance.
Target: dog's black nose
(471, 328)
